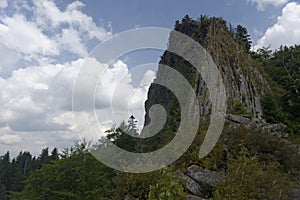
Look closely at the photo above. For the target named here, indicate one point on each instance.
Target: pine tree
(132, 125)
(241, 35)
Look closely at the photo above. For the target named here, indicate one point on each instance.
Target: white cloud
(8, 59)
(286, 31)
(24, 36)
(71, 41)
(3, 4)
(148, 78)
(8, 137)
(42, 31)
(37, 101)
(27, 99)
(262, 4)
(49, 14)
(36, 88)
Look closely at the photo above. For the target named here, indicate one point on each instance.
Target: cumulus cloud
(8, 137)
(262, 4)
(41, 31)
(50, 15)
(71, 41)
(9, 58)
(37, 100)
(24, 36)
(3, 4)
(36, 79)
(286, 31)
(29, 99)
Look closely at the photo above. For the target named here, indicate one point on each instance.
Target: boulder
(238, 119)
(204, 177)
(200, 182)
(193, 186)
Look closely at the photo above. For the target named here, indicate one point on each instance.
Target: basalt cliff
(247, 135)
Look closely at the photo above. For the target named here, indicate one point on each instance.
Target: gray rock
(206, 178)
(243, 81)
(274, 127)
(277, 130)
(193, 186)
(193, 197)
(238, 119)
(200, 182)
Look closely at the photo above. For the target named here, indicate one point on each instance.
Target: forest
(254, 163)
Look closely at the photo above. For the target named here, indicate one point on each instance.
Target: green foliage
(135, 185)
(247, 178)
(80, 177)
(282, 66)
(256, 165)
(236, 107)
(265, 147)
(264, 53)
(272, 110)
(216, 159)
(121, 137)
(241, 36)
(168, 187)
(14, 172)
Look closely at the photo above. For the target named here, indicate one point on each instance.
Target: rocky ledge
(200, 182)
(275, 129)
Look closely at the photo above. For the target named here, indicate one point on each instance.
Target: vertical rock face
(242, 78)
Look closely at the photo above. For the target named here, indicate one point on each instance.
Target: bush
(167, 188)
(247, 178)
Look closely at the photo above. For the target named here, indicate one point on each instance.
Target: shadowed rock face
(241, 76)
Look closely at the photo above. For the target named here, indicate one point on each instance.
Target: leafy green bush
(79, 176)
(236, 107)
(247, 178)
(168, 187)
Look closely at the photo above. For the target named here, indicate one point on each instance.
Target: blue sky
(124, 15)
(43, 45)
(128, 14)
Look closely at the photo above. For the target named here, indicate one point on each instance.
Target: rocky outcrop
(244, 82)
(238, 119)
(200, 182)
(207, 179)
(242, 78)
(274, 127)
(277, 130)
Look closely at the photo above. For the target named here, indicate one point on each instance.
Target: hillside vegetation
(254, 160)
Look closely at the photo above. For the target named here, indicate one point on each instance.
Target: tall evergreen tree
(242, 36)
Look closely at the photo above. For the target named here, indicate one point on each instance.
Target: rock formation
(242, 78)
(200, 182)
